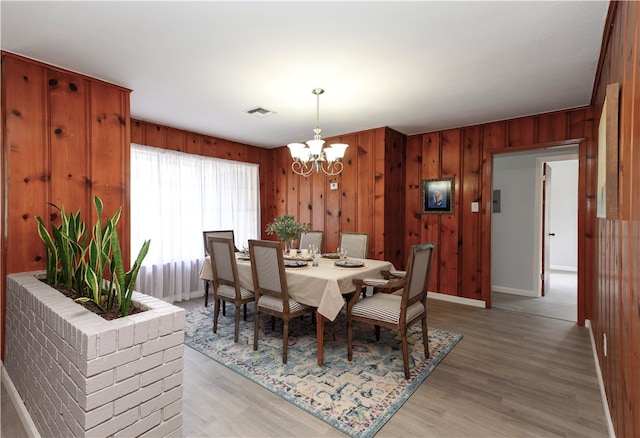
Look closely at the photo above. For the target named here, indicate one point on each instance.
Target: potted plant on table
(287, 229)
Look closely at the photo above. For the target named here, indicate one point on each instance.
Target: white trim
(512, 291)
(603, 392)
(18, 404)
(563, 268)
(457, 299)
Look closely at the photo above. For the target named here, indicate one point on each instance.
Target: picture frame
(437, 195)
(607, 175)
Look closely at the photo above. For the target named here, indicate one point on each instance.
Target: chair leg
(245, 311)
(224, 308)
(285, 339)
(405, 353)
(349, 339)
(216, 311)
(256, 328)
(377, 332)
(206, 293)
(425, 337)
(273, 323)
(236, 327)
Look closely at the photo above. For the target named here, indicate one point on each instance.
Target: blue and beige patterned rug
(356, 397)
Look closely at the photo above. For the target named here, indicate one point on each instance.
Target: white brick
(109, 361)
(161, 372)
(115, 424)
(125, 333)
(134, 399)
(173, 380)
(166, 322)
(163, 343)
(99, 398)
(141, 426)
(178, 320)
(171, 428)
(139, 366)
(107, 342)
(159, 402)
(173, 353)
(141, 332)
(171, 410)
(92, 418)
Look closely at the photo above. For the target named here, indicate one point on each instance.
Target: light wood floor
(560, 302)
(512, 375)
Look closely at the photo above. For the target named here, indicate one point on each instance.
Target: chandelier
(312, 156)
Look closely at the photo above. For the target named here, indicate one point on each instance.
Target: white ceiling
(413, 66)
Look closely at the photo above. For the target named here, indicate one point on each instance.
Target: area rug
(356, 397)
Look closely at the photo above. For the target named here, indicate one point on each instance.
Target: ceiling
(412, 66)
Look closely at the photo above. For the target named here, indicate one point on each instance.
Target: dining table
(322, 286)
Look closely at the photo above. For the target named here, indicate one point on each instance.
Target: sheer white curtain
(176, 196)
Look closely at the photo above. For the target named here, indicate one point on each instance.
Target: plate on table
(294, 263)
(349, 264)
(243, 257)
(299, 257)
(331, 255)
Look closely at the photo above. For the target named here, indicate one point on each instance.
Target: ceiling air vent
(259, 112)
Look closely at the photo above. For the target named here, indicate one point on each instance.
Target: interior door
(546, 232)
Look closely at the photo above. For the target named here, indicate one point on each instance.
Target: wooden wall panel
(109, 150)
(470, 191)
(194, 144)
(67, 97)
(462, 259)
(430, 223)
(394, 197)
(155, 135)
(27, 164)
(615, 304)
(413, 193)
(61, 131)
(451, 162)
(176, 140)
(137, 132)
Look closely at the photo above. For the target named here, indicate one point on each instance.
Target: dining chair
(356, 244)
(216, 233)
(271, 290)
(399, 310)
(226, 283)
(312, 238)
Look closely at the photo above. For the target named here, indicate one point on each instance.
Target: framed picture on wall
(437, 196)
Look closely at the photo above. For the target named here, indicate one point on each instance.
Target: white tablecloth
(318, 286)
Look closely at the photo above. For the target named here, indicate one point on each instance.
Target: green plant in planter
(72, 264)
(287, 228)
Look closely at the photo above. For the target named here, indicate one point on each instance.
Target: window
(174, 197)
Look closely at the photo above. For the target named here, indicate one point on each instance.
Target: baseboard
(456, 299)
(603, 392)
(25, 418)
(512, 291)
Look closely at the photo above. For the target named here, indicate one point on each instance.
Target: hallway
(561, 302)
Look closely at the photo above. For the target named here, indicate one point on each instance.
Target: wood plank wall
(462, 259)
(616, 298)
(65, 140)
(369, 198)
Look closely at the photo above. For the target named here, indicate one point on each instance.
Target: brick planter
(80, 375)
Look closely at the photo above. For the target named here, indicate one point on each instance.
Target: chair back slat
(356, 244)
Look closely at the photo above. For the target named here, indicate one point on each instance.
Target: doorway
(518, 233)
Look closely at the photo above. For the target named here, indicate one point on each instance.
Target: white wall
(564, 215)
(515, 260)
